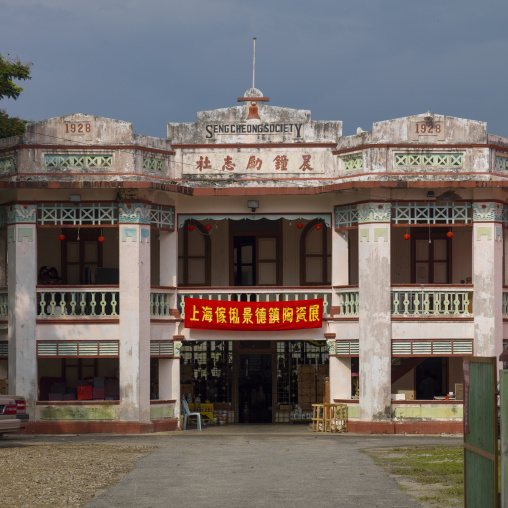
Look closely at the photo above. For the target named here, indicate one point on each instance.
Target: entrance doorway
(255, 388)
(253, 381)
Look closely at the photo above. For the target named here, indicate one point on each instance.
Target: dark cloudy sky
(360, 61)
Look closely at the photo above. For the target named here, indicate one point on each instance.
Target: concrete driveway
(258, 466)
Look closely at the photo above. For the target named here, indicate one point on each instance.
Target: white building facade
(399, 231)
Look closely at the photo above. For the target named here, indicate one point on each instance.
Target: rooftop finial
(254, 63)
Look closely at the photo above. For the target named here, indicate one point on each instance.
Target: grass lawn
(433, 475)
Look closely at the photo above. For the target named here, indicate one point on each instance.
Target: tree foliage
(11, 69)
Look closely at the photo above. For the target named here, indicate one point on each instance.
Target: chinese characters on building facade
(219, 315)
(260, 162)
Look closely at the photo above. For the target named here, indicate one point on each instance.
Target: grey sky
(153, 61)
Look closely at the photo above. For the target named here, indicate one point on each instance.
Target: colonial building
(139, 270)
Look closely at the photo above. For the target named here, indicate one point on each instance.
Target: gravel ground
(56, 475)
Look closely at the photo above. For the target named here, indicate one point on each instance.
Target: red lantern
(190, 228)
(449, 234)
(101, 239)
(208, 227)
(319, 226)
(299, 225)
(61, 237)
(407, 236)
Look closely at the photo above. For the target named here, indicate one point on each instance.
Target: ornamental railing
(423, 301)
(348, 302)
(4, 308)
(431, 213)
(77, 214)
(256, 294)
(78, 301)
(162, 301)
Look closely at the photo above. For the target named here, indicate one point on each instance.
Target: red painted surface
(436, 427)
(224, 315)
(83, 427)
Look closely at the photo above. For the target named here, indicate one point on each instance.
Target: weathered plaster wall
(81, 331)
(426, 412)
(423, 330)
(68, 412)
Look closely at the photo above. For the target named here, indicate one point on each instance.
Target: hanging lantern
(190, 228)
(101, 239)
(449, 234)
(299, 225)
(407, 236)
(61, 237)
(208, 227)
(319, 226)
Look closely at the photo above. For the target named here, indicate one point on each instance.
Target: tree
(11, 69)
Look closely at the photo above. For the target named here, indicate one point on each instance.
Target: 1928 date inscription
(428, 128)
(77, 128)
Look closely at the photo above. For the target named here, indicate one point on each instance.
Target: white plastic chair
(188, 414)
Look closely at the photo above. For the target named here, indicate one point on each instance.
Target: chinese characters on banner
(279, 163)
(220, 315)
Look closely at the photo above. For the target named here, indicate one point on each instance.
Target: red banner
(220, 315)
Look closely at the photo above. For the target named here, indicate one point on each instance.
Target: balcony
(78, 302)
(430, 301)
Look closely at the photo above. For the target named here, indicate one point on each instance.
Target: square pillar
(22, 301)
(375, 311)
(169, 378)
(134, 239)
(488, 279)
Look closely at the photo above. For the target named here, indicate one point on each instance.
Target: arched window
(315, 254)
(194, 265)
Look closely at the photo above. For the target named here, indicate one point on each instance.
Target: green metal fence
(480, 433)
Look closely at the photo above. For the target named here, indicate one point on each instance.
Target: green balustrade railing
(77, 302)
(432, 303)
(161, 304)
(349, 303)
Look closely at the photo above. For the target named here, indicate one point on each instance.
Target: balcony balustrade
(425, 301)
(99, 301)
(78, 301)
(162, 301)
(348, 301)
